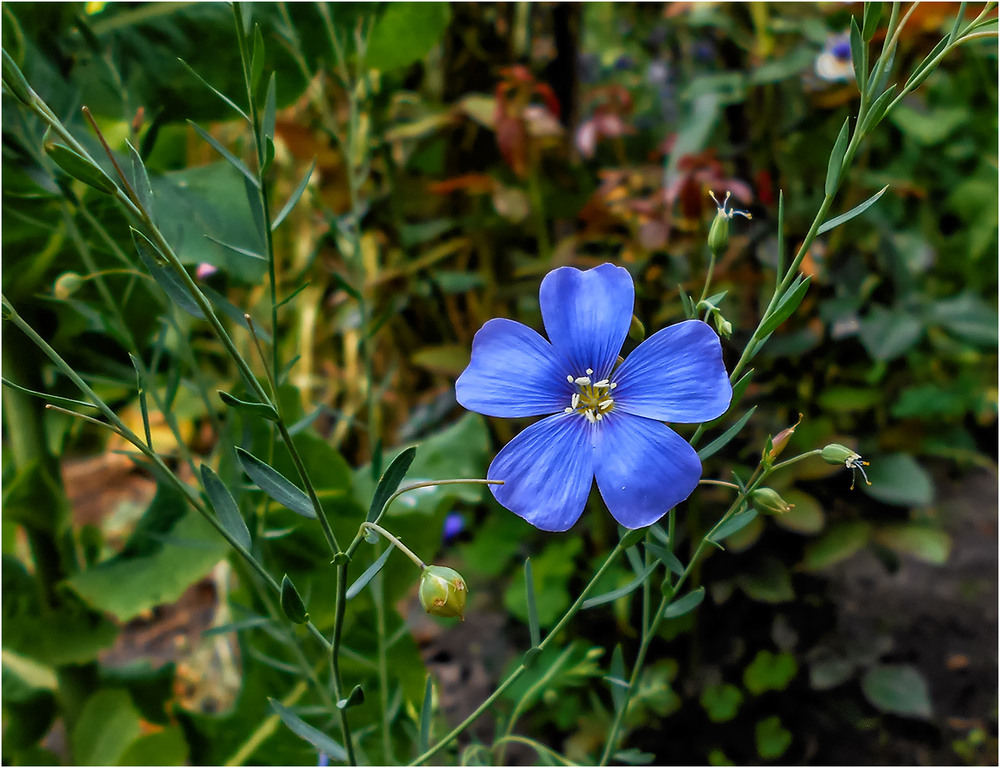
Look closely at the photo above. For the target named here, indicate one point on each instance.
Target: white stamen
(575, 401)
(569, 378)
(582, 381)
(613, 385)
(598, 416)
(590, 371)
(605, 404)
(590, 417)
(602, 384)
(567, 409)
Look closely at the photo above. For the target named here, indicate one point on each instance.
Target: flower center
(592, 399)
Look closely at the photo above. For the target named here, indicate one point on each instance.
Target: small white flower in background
(834, 63)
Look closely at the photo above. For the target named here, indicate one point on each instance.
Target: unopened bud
(781, 440)
(835, 453)
(66, 285)
(768, 502)
(443, 592)
(724, 327)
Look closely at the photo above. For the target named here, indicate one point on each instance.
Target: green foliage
(772, 738)
(721, 702)
(897, 689)
(769, 672)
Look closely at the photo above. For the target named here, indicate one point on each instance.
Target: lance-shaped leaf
(262, 410)
(859, 56)
(303, 730)
(667, 557)
(737, 522)
(224, 504)
(529, 585)
(299, 190)
(835, 166)
(353, 699)
(234, 313)
(140, 181)
(722, 440)
(686, 604)
(628, 589)
(871, 18)
(256, 58)
(619, 685)
(165, 276)
(291, 602)
(79, 167)
(15, 81)
(214, 90)
(355, 589)
(857, 210)
(389, 482)
(275, 485)
(788, 304)
(877, 111)
(228, 156)
(426, 715)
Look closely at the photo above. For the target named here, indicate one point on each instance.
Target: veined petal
(587, 315)
(675, 375)
(514, 372)
(643, 468)
(547, 472)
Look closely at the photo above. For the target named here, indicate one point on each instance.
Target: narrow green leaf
(292, 295)
(165, 276)
(780, 271)
(737, 522)
(722, 440)
(632, 537)
(426, 715)
(740, 387)
(252, 191)
(218, 93)
(618, 673)
(925, 67)
(79, 167)
(877, 111)
(291, 602)
(957, 26)
(872, 16)
(44, 396)
(299, 190)
(686, 604)
(687, 304)
(855, 211)
(140, 182)
(143, 407)
(898, 688)
(14, 80)
(237, 249)
(388, 484)
(256, 59)
(228, 156)
(354, 698)
(268, 155)
(237, 626)
(303, 730)
(614, 594)
(529, 586)
(355, 589)
(275, 485)
(833, 170)
(225, 507)
(788, 304)
(234, 313)
(261, 410)
(667, 557)
(270, 110)
(859, 56)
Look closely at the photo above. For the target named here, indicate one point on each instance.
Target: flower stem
(522, 668)
(399, 545)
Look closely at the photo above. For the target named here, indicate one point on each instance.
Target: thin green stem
(522, 668)
(392, 539)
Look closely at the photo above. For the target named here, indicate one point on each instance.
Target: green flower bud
(835, 453)
(768, 502)
(443, 592)
(66, 285)
(723, 326)
(718, 234)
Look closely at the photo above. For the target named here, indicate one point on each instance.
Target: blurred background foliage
(500, 141)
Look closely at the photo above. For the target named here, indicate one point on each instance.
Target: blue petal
(675, 375)
(587, 315)
(514, 372)
(643, 468)
(547, 472)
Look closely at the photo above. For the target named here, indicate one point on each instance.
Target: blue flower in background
(605, 422)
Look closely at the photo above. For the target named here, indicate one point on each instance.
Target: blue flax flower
(602, 421)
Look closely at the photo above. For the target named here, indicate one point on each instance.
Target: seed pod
(443, 592)
(767, 501)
